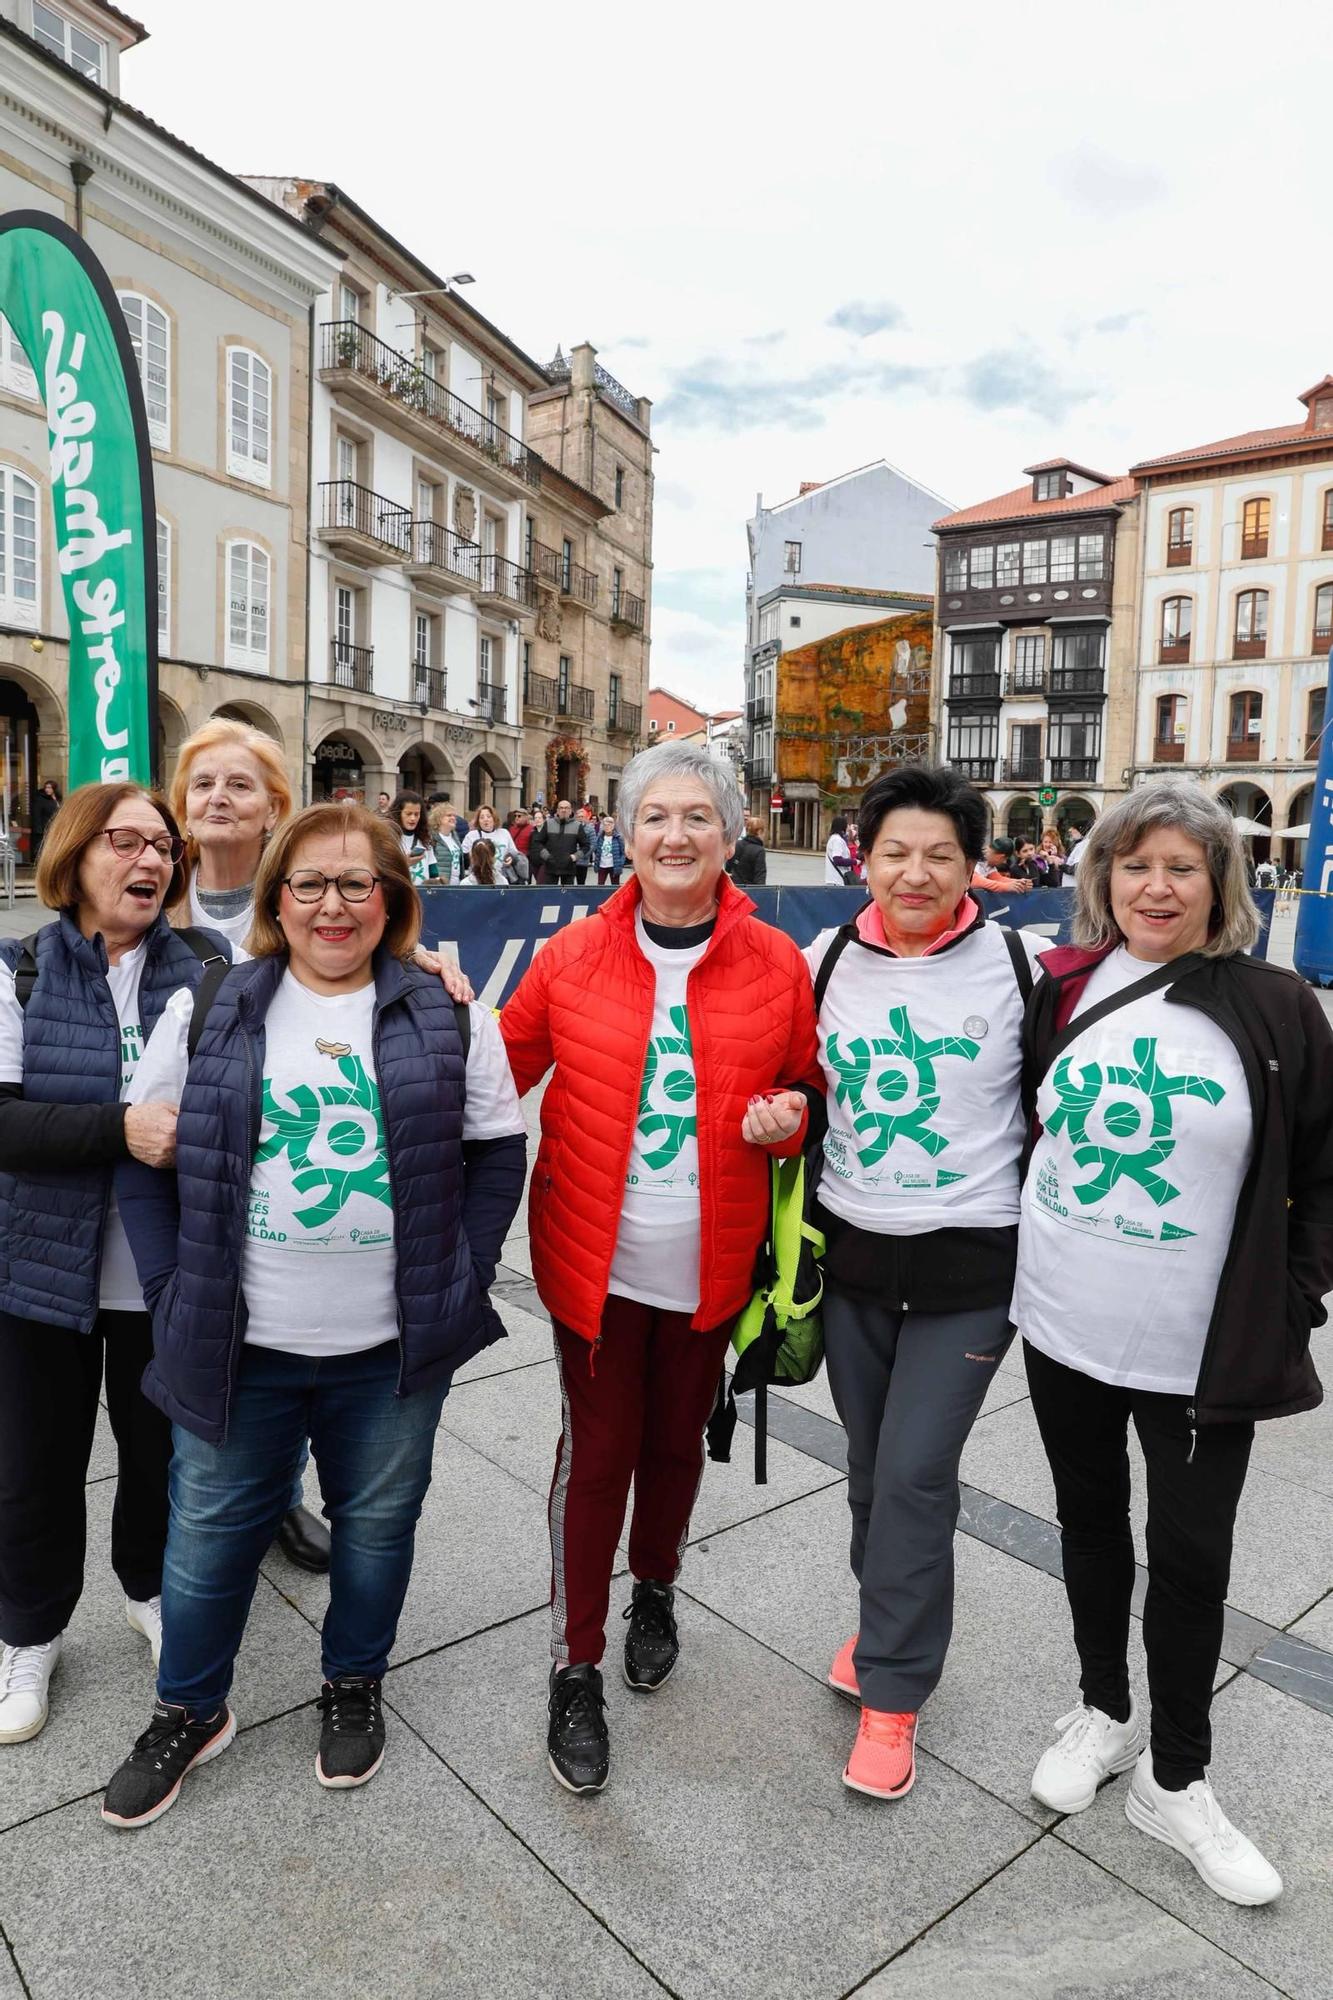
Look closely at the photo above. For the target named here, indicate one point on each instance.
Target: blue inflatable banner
(495, 933)
(1314, 919)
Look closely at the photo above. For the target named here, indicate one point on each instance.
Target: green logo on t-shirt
(675, 1084)
(1143, 1121)
(894, 1066)
(314, 1114)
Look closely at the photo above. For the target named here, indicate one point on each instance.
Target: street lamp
(434, 291)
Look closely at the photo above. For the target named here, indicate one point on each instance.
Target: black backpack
(216, 966)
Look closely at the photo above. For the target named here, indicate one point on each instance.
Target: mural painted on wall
(855, 704)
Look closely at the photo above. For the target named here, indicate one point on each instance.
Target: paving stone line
(1285, 1662)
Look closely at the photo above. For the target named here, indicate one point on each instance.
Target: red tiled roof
(1020, 505)
(1070, 465)
(141, 33)
(1276, 437)
(863, 590)
(1309, 395)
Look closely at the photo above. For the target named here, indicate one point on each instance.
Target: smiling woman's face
(1162, 895)
(330, 942)
(120, 894)
(917, 872)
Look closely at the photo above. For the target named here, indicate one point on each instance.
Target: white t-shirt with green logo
(922, 1058)
(318, 1260)
(656, 1257)
(118, 1287)
(1131, 1194)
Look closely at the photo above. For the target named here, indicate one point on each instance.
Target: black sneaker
(351, 1743)
(578, 1748)
(147, 1782)
(651, 1645)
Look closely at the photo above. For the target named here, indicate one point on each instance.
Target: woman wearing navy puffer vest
(78, 1001)
(350, 1157)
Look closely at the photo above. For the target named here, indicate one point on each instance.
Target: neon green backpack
(779, 1336)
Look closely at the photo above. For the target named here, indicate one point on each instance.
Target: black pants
(49, 1383)
(1084, 1426)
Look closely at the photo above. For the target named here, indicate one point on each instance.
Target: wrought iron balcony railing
(437, 547)
(539, 692)
(624, 718)
(352, 666)
(627, 610)
(358, 511)
(345, 344)
(498, 577)
(428, 686)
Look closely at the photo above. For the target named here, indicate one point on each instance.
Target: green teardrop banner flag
(61, 304)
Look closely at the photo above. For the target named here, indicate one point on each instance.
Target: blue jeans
(373, 1451)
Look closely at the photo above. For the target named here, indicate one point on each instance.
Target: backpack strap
(463, 1018)
(841, 940)
(1020, 961)
(25, 972)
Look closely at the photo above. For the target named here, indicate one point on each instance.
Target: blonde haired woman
(229, 792)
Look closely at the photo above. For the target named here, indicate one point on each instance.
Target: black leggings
(1192, 1506)
(49, 1383)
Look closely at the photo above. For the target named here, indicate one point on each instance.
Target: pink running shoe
(842, 1674)
(883, 1759)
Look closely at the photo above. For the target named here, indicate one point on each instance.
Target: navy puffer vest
(51, 1224)
(199, 1327)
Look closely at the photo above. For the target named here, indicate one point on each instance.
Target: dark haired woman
(75, 1012)
(347, 1171)
(920, 1004)
(408, 814)
(839, 867)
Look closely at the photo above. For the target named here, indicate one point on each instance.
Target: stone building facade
(588, 533)
(217, 287)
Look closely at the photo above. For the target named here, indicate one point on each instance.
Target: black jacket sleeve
(1310, 1190)
(46, 1138)
(494, 1171)
(150, 1210)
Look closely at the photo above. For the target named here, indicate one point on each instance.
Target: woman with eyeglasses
(78, 1001)
(351, 1154)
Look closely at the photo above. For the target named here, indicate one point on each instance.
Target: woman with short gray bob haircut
(680, 760)
(1234, 921)
(1175, 1245)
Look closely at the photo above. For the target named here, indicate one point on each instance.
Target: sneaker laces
(890, 1730)
(352, 1705)
(652, 1613)
(1075, 1732)
(23, 1669)
(165, 1735)
(1227, 1836)
(578, 1704)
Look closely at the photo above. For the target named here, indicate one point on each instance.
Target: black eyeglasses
(356, 885)
(128, 843)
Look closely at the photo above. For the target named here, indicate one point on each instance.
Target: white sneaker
(25, 1675)
(1091, 1749)
(145, 1615)
(1195, 1825)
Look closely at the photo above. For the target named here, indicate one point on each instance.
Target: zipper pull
(1194, 1435)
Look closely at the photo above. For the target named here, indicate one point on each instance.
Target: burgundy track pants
(634, 1408)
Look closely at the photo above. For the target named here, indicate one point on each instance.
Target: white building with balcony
(1237, 616)
(420, 481)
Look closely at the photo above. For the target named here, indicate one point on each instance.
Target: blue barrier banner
(495, 933)
(1314, 918)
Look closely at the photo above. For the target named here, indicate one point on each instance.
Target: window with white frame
(16, 371)
(73, 44)
(791, 558)
(163, 584)
(19, 579)
(249, 416)
(247, 606)
(349, 303)
(768, 624)
(150, 337)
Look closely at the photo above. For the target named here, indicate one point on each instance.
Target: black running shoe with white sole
(652, 1646)
(174, 1743)
(578, 1747)
(351, 1742)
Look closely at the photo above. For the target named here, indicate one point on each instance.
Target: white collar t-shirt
(657, 1250)
(318, 1262)
(1130, 1199)
(922, 1058)
(118, 1288)
(236, 928)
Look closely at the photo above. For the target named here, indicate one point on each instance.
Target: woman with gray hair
(681, 1033)
(1181, 1170)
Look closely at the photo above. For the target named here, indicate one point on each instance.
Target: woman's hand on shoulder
(456, 982)
(150, 1133)
(773, 1117)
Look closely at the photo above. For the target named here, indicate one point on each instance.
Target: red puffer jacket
(586, 1005)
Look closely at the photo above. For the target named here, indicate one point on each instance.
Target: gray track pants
(908, 1387)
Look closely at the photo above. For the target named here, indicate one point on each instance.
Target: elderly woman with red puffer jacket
(682, 1034)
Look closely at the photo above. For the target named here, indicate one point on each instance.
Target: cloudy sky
(820, 235)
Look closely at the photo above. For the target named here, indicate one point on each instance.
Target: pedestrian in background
(408, 814)
(558, 845)
(919, 1208)
(448, 848)
(483, 869)
(610, 852)
(671, 1014)
(75, 1014)
(313, 1281)
(44, 809)
(1175, 1248)
(837, 853)
(748, 867)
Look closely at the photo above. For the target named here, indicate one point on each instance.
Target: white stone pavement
(726, 1858)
